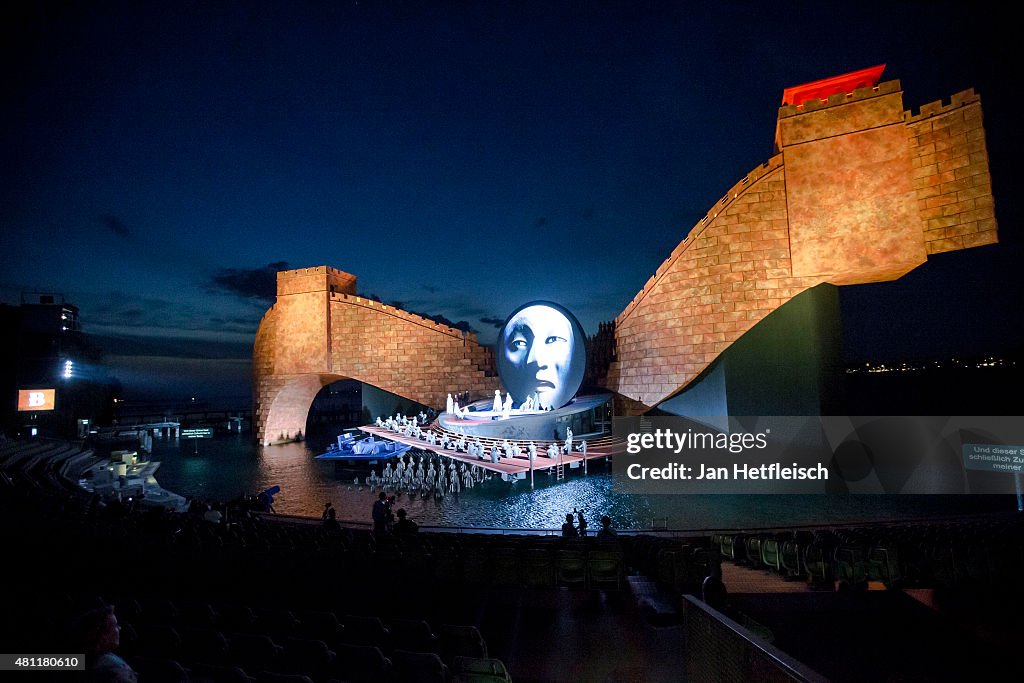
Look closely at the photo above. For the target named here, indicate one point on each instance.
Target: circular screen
(541, 353)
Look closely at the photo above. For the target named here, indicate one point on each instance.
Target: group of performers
(413, 427)
(435, 478)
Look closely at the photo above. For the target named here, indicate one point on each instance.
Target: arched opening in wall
(336, 408)
(289, 407)
(380, 403)
(338, 404)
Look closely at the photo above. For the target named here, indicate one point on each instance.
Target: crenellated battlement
(312, 270)
(356, 300)
(926, 111)
(315, 279)
(858, 95)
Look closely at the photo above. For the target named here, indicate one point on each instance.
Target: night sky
(163, 160)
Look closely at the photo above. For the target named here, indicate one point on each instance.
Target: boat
(368, 451)
(128, 477)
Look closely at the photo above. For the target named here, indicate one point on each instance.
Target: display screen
(36, 399)
(541, 353)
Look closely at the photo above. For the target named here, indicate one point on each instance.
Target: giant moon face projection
(541, 353)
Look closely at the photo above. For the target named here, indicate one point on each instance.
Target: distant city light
(987, 362)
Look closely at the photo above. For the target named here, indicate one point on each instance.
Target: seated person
(606, 532)
(404, 525)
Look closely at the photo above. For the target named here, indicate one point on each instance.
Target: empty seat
(604, 569)
(308, 657)
(361, 630)
(361, 663)
(460, 641)
(197, 614)
(475, 566)
(412, 634)
(276, 623)
(158, 611)
(236, 618)
(479, 670)
(253, 652)
(158, 641)
(753, 556)
(418, 667)
(571, 568)
(883, 565)
(504, 566)
(209, 673)
(320, 625)
(789, 559)
(205, 645)
(771, 554)
(159, 670)
(851, 565)
(275, 677)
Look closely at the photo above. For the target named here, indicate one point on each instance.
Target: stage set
(540, 423)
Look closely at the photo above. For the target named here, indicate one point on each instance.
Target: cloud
(496, 322)
(116, 225)
(251, 283)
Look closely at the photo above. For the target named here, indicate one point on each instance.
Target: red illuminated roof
(865, 78)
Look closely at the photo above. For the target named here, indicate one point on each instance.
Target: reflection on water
(229, 466)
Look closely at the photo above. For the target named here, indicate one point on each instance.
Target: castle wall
(319, 331)
(861, 191)
(951, 174)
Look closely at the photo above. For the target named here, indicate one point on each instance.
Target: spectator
(713, 590)
(582, 524)
(212, 514)
(99, 635)
(328, 507)
(390, 516)
(606, 533)
(405, 526)
(380, 513)
(331, 522)
(568, 529)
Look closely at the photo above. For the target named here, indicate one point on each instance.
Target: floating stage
(587, 416)
(603, 446)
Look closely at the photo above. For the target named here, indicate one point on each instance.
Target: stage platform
(479, 419)
(602, 446)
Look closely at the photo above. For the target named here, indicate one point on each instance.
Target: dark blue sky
(460, 158)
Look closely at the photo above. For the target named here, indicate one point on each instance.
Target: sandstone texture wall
(319, 331)
(860, 191)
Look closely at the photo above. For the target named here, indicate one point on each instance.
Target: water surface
(229, 466)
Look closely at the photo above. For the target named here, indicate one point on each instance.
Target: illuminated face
(540, 352)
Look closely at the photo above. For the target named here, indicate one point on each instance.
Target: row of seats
(185, 622)
(365, 665)
(922, 554)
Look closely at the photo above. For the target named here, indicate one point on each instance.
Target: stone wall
(951, 176)
(320, 331)
(861, 191)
